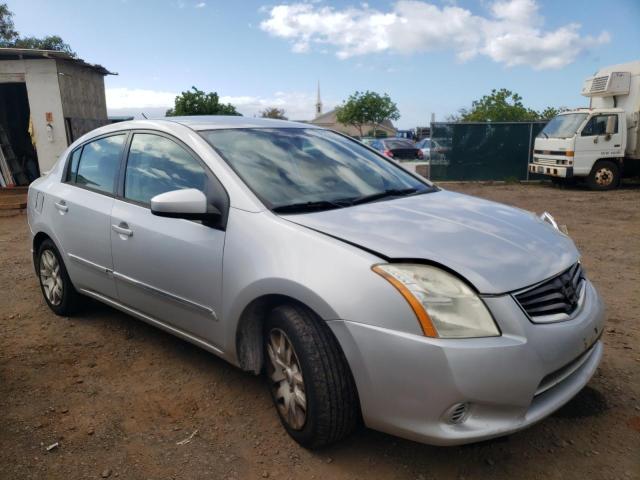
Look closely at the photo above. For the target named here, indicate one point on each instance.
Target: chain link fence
(483, 150)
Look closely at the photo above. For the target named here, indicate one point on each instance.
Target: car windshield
(310, 168)
(398, 143)
(563, 126)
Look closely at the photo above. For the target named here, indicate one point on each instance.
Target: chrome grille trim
(555, 299)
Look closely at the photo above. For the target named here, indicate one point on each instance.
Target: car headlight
(445, 306)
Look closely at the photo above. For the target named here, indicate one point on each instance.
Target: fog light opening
(457, 413)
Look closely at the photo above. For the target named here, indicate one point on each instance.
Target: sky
(430, 56)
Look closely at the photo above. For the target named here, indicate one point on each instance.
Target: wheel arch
(38, 239)
(249, 331)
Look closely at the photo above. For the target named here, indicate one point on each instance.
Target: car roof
(213, 122)
(198, 123)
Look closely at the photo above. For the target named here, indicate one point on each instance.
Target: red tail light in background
(388, 153)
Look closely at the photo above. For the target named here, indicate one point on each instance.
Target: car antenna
(143, 115)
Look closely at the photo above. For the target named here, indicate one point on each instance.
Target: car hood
(496, 247)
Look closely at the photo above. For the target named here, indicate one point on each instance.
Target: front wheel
(309, 379)
(605, 175)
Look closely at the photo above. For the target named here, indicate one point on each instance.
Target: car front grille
(558, 297)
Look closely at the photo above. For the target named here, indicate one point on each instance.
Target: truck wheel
(605, 175)
(310, 382)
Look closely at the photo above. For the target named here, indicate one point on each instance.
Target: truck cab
(600, 144)
(571, 144)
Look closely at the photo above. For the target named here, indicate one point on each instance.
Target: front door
(169, 269)
(82, 217)
(593, 142)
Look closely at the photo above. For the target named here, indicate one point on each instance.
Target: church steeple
(318, 103)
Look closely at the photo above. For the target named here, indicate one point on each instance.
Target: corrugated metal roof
(30, 53)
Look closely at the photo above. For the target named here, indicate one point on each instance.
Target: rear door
(169, 269)
(81, 213)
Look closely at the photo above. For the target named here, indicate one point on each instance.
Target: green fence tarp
(482, 151)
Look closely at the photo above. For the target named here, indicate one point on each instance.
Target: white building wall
(43, 90)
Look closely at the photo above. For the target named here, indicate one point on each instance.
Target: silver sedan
(359, 289)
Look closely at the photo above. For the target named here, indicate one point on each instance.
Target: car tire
(605, 175)
(301, 354)
(57, 289)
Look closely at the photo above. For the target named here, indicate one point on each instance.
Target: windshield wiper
(392, 192)
(308, 206)
(345, 202)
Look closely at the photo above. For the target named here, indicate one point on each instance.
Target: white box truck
(599, 144)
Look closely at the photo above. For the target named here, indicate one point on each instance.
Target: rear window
(393, 144)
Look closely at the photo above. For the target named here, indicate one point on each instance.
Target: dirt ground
(117, 395)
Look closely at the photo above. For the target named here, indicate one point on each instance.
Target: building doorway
(18, 151)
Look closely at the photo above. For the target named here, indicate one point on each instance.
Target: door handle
(122, 229)
(62, 206)
(595, 140)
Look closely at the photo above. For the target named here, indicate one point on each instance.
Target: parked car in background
(361, 291)
(368, 140)
(425, 146)
(398, 148)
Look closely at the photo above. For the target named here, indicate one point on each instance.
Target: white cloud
(200, 5)
(512, 32)
(125, 101)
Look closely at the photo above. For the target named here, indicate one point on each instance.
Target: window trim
(67, 167)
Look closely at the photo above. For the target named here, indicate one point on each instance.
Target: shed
(47, 100)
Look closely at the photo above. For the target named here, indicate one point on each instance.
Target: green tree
(550, 112)
(50, 42)
(273, 112)
(502, 106)
(364, 108)
(7, 31)
(196, 102)
(9, 37)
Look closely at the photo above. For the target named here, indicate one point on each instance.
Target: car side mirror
(611, 125)
(188, 203)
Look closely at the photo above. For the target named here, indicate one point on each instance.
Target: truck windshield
(563, 126)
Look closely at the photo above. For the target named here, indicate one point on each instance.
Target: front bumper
(408, 384)
(551, 170)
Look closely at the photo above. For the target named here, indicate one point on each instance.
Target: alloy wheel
(287, 382)
(50, 277)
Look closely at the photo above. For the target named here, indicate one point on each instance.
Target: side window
(597, 125)
(99, 162)
(157, 165)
